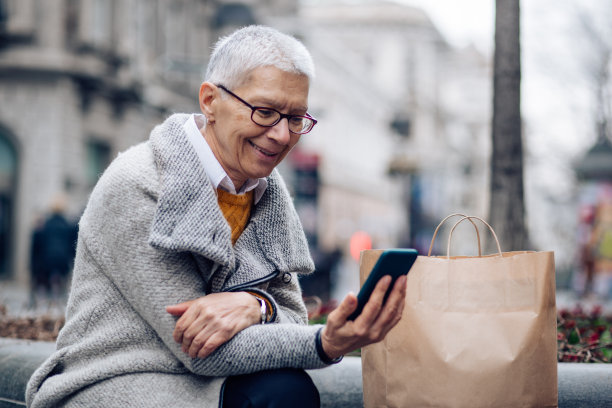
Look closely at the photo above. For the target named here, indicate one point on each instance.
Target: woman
(185, 288)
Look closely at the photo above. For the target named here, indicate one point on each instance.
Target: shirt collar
(215, 172)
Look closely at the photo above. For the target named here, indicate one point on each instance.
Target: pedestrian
(52, 252)
(39, 281)
(185, 290)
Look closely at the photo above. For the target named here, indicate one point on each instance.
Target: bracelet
(324, 357)
(263, 309)
(268, 312)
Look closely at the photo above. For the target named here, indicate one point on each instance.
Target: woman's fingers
(200, 323)
(391, 312)
(338, 317)
(214, 342)
(180, 308)
(183, 323)
(341, 336)
(372, 308)
(207, 322)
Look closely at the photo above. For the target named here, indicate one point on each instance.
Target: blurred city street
(17, 301)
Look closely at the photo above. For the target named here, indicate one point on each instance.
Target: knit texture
(153, 235)
(236, 209)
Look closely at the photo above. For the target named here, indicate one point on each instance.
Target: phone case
(394, 262)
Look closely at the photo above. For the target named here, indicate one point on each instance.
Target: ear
(208, 95)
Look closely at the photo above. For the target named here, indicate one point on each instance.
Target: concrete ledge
(585, 385)
(340, 384)
(18, 360)
(580, 385)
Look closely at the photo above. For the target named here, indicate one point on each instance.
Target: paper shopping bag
(476, 331)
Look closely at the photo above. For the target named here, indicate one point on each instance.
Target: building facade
(80, 81)
(401, 140)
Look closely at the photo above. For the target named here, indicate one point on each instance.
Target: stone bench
(580, 385)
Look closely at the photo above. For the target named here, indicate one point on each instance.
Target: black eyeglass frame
(280, 117)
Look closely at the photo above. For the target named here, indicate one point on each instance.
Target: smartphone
(394, 262)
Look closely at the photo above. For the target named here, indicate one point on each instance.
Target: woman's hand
(208, 322)
(339, 336)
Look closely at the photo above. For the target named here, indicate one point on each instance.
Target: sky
(462, 22)
(553, 80)
(557, 98)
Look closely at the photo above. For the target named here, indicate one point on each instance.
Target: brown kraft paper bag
(475, 332)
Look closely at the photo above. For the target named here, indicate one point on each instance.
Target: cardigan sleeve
(115, 229)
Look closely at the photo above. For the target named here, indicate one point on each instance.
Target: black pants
(281, 388)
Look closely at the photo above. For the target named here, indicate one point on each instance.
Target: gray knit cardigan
(153, 235)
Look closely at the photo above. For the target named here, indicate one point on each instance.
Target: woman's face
(244, 149)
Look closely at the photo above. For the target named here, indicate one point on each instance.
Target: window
(71, 22)
(3, 15)
(101, 31)
(98, 158)
(17, 18)
(8, 168)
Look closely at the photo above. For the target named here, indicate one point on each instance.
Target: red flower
(593, 339)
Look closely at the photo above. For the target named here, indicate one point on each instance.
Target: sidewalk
(18, 301)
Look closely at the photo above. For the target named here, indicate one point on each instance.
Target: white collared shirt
(215, 172)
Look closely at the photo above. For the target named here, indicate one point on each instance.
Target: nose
(280, 132)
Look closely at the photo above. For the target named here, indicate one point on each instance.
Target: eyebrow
(267, 103)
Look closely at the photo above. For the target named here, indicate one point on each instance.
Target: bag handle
(443, 221)
(450, 235)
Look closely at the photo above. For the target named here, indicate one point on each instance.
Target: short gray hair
(248, 48)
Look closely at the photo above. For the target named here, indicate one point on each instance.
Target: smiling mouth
(263, 151)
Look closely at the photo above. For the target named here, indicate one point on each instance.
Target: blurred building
(404, 126)
(401, 142)
(81, 80)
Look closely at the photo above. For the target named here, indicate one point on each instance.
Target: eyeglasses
(268, 117)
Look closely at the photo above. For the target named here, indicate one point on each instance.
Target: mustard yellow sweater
(236, 209)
